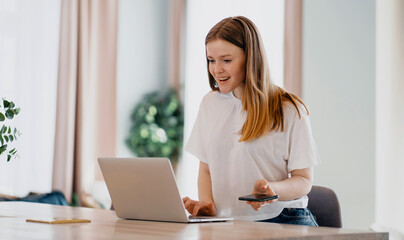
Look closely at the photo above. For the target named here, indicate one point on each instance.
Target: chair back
(324, 205)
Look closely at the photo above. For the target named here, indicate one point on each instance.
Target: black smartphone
(253, 198)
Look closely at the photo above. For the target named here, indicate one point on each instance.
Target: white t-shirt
(235, 166)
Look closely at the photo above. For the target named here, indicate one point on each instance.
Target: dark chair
(324, 205)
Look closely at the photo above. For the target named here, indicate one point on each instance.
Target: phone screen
(253, 198)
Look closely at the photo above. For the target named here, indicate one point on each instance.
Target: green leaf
(12, 151)
(10, 113)
(2, 118)
(4, 129)
(8, 157)
(3, 148)
(17, 111)
(15, 131)
(11, 138)
(1, 140)
(6, 103)
(12, 105)
(6, 138)
(9, 130)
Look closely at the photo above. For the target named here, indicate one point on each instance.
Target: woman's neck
(238, 91)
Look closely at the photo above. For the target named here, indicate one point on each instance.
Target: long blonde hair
(262, 100)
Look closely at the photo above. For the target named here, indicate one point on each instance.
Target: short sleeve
(196, 143)
(302, 148)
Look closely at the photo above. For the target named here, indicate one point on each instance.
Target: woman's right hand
(262, 187)
(199, 208)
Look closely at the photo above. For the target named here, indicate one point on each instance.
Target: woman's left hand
(262, 187)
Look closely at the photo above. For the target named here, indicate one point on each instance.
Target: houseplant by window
(157, 126)
(8, 134)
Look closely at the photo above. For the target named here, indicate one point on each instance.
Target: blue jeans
(299, 216)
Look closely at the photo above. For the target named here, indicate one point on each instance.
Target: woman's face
(227, 66)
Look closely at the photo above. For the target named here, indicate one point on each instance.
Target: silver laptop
(145, 189)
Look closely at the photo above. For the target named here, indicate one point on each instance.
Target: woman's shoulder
(292, 112)
(213, 96)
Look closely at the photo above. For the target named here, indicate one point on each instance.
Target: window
(29, 45)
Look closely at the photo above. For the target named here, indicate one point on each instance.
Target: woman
(250, 135)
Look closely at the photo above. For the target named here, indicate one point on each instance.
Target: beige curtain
(389, 117)
(175, 49)
(293, 47)
(176, 42)
(86, 112)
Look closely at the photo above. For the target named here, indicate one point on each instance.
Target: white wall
(141, 60)
(339, 88)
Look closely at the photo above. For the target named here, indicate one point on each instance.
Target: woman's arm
(298, 185)
(204, 183)
(205, 206)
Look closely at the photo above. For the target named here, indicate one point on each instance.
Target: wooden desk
(105, 225)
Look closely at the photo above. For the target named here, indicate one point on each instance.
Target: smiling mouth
(223, 79)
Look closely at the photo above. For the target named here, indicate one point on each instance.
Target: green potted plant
(157, 126)
(8, 134)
